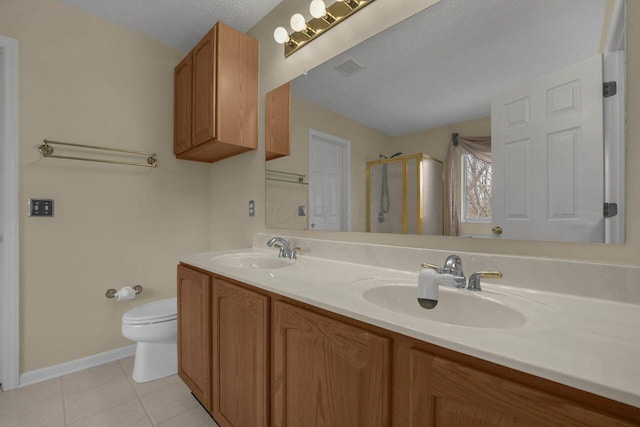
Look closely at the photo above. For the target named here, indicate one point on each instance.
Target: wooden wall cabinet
(216, 97)
(240, 356)
(278, 122)
(194, 332)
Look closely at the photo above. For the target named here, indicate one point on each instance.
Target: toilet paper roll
(125, 293)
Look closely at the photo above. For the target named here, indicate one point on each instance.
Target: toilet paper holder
(111, 293)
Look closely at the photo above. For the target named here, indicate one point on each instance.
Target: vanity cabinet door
(326, 372)
(460, 396)
(240, 356)
(194, 332)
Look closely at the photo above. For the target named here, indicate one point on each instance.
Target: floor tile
(98, 399)
(31, 396)
(130, 414)
(195, 417)
(168, 402)
(152, 386)
(91, 378)
(127, 365)
(45, 415)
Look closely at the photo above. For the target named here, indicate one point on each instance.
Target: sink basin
(253, 260)
(455, 307)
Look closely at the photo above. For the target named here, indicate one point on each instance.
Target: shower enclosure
(405, 194)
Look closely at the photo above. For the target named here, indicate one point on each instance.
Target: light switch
(40, 207)
(252, 210)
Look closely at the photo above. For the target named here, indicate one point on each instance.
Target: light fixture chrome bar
(336, 13)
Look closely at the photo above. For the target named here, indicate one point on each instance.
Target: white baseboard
(56, 371)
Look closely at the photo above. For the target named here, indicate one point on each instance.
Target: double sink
(494, 307)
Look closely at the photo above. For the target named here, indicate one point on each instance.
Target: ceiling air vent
(349, 67)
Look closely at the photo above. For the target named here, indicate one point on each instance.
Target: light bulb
(280, 35)
(297, 22)
(317, 9)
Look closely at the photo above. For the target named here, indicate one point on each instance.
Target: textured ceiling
(444, 64)
(178, 23)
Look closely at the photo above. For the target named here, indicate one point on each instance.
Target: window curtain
(478, 146)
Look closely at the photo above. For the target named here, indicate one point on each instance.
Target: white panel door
(329, 182)
(548, 156)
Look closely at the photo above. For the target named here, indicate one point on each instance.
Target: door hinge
(610, 210)
(609, 89)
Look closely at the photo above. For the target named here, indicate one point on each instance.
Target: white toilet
(154, 327)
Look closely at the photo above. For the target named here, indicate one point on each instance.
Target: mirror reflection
(474, 119)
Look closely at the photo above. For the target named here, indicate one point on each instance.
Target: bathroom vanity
(265, 341)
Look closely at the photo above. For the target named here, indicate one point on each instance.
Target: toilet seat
(154, 312)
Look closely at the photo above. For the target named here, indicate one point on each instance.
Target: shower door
(405, 195)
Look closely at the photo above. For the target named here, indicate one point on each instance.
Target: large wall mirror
(481, 119)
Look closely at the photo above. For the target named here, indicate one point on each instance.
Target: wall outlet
(40, 207)
(302, 211)
(252, 210)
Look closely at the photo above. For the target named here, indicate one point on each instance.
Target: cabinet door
(326, 372)
(182, 105)
(194, 332)
(204, 89)
(461, 396)
(240, 371)
(237, 90)
(277, 122)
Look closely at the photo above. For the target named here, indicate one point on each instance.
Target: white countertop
(586, 343)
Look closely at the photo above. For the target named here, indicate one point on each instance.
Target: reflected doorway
(329, 182)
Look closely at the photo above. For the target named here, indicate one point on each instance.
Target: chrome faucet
(285, 248)
(453, 266)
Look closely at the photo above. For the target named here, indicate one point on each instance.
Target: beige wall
(366, 143)
(83, 80)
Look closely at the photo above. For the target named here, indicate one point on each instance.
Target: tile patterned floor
(104, 396)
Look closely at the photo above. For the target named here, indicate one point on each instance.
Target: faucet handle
(437, 268)
(474, 279)
(294, 252)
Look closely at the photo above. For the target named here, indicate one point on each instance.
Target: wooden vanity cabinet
(216, 97)
(240, 357)
(435, 387)
(257, 359)
(194, 332)
(278, 122)
(223, 347)
(327, 372)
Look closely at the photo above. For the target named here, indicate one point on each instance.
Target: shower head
(395, 155)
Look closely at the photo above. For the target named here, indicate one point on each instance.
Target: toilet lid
(158, 311)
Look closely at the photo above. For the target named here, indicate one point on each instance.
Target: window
(476, 189)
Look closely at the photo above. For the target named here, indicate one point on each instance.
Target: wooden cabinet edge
(278, 122)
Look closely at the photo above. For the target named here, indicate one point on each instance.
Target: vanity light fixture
(323, 18)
